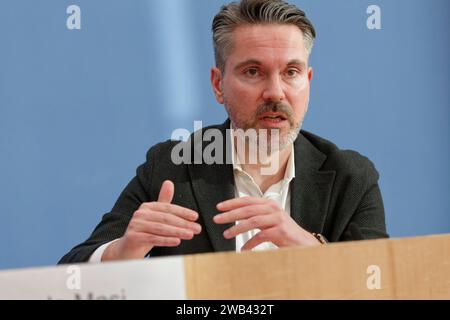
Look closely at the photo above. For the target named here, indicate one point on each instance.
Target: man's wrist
(115, 251)
(110, 252)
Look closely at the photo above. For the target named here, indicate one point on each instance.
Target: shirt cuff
(96, 257)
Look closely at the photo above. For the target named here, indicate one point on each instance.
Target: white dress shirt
(245, 186)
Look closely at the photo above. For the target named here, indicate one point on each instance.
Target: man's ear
(310, 74)
(216, 83)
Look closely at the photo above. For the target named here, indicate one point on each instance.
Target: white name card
(153, 279)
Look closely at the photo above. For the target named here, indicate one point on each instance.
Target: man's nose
(274, 90)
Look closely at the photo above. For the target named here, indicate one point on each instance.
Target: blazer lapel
(212, 184)
(311, 188)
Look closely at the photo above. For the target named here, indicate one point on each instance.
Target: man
(316, 191)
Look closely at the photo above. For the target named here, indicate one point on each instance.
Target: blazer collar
(311, 187)
(213, 184)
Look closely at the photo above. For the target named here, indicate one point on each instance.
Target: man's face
(266, 80)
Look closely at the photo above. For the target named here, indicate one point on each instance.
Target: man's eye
(292, 73)
(252, 72)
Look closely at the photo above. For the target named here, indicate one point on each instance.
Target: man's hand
(154, 224)
(257, 213)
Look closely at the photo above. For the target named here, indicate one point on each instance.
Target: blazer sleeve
(368, 220)
(114, 224)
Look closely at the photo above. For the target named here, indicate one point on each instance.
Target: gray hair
(248, 12)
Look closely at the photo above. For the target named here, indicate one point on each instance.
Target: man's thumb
(166, 192)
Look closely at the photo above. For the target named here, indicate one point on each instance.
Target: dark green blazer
(335, 193)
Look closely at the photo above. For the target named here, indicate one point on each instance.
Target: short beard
(268, 145)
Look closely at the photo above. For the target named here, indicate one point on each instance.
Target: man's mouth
(273, 117)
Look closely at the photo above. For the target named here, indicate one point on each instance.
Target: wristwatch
(320, 237)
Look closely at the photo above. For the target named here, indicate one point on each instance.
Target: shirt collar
(289, 174)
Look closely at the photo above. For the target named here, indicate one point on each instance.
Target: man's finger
(166, 192)
(242, 213)
(240, 202)
(163, 230)
(159, 241)
(173, 220)
(259, 222)
(260, 237)
(174, 209)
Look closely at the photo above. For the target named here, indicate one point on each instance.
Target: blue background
(80, 108)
